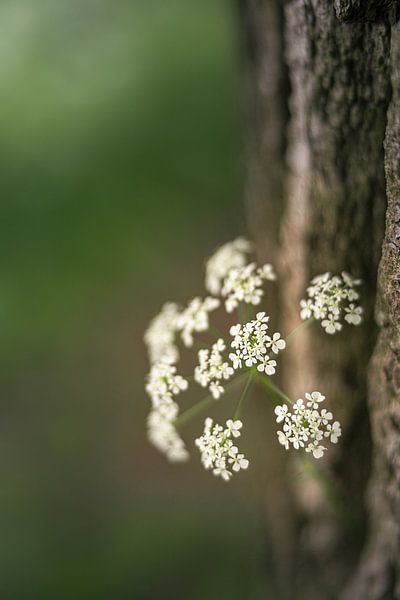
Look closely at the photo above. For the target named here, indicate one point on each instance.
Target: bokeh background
(121, 169)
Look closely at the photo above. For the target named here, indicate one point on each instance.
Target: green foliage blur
(120, 170)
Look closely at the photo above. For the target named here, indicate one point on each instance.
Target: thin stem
(300, 327)
(194, 410)
(199, 406)
(243, 396)
(271, 387)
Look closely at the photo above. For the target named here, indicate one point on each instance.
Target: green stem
(271, 387)
(242, 397)
(194, 410)
(202, 404)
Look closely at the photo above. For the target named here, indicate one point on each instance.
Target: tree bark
(321, 77)
(378, 575)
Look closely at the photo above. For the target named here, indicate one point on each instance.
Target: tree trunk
(319, 81)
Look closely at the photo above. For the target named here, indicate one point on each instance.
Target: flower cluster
(329, 297)
(160, 335)
(218, 451)
(230, 275)
(305, 426)
(244, 284)
(229, 256)
(252, 344)
(163, 384)
(195, 318)
(212, 368)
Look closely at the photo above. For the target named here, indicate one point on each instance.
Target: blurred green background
(121, 169)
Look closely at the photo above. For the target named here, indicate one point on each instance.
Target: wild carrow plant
(250, 351)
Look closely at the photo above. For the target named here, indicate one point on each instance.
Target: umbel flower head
(244, 284)
(306, 426)
(212, 368)
(160, 335)
(218, 451)
(252, 345)
(229, 256)
(330, 298)
(163, 384)
(195, 318)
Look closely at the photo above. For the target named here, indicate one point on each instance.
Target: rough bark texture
(379, 572)
(320, 79)
(334, 222)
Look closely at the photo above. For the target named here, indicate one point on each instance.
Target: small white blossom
(276, 343)
(234, 427)
(281, 412)
(267, 272)
(314, 399)
(330, 324)
(353, 315)
(350, 281)
(306, 426)
(160, 335)
(217, 450)
(251, 342)
(244, 284)
(225, 258)
(212, 369)
(163, 383)
(335, 431)
(267, 365)
(329, 297)
(195, 318)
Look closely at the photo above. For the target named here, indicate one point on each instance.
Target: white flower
(239, 461)
(328, 298)
(353, 315)
(163, 383)
(331, 325)
(334, 431)
(227, 257)
(306, 309)
(217, 450)
(314, 399)
(195, 318)
(233, 427)
(283, 438)
(160, 335)
(316, 449)
(267, 272)
(251, 343)
(276, 343)
(306, 426)
(349, 280)
(244, 284)
(281, 412)
(267, 365)
(212, 369)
